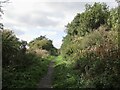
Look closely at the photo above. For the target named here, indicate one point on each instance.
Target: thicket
(91, 46)
(21, 68)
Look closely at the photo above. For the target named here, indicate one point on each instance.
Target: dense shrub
(91, 45)
(21, 68)
(25, 74)
(10, 47)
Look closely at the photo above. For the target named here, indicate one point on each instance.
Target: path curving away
(46, 81)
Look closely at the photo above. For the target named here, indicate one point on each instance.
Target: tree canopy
(43, 43)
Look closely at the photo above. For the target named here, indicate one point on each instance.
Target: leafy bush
(21, 68)
(10, 47)
(26, 74)
(91, 46)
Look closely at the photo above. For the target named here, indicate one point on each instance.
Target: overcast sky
(31, 18)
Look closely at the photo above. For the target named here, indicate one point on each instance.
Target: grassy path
(46, 81)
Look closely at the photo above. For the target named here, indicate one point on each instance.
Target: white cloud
(57, 43)
(48, 33)
(64, 1)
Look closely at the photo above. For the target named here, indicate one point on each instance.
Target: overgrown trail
(46, 81)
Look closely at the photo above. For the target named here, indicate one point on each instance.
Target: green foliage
(92, 18)
(21, 68)
(63, 75)
(10, 46)
(93, 61)
(90, 48)
(42, 43)
(24, 76)
(113, 19)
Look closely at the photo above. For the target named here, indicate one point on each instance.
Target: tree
(10, 46)
(1, 11)
(42, 43)
(23, 47)
(91, 19)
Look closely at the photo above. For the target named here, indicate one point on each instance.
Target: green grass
(27, 77)
(59, 60)
(64, 75)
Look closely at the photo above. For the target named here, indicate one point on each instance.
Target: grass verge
(64, 75)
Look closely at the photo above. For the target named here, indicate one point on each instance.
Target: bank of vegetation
(24, 67)
(88, 58)
(90, 50)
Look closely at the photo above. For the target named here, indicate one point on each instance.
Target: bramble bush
(91, 45)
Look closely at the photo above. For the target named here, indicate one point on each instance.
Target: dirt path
(46, 81)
